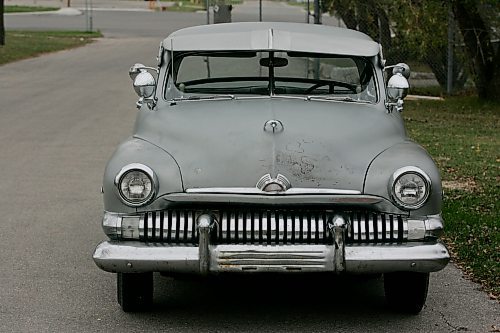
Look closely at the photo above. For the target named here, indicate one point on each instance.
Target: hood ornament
(274, 126)
(273, 185)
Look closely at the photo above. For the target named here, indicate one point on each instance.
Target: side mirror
(135, 70)
(397, 87)
(144, 84)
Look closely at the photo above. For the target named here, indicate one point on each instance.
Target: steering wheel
(331, 85)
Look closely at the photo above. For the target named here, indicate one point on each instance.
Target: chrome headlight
(136, 184)
(409, 187)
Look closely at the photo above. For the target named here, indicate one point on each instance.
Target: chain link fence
(423, 34)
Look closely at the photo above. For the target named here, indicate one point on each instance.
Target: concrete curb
(69, 12)
(427, 98)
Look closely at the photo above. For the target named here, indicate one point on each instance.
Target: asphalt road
(61, 117)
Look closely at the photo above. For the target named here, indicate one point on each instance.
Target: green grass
(26, 44)
(463, 136)
(427, 91)
(26, 9)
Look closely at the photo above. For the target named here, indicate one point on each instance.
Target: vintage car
(271, 148)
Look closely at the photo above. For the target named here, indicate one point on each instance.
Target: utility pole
(308, 12)
(260, 10)
(88, 16)
(451, 40)
(317, 20)
(208, 11)
(317, 12)
(2, 25)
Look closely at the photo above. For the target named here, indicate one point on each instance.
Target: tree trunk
(485, 62)
(438, 62)
(2, 26)
(345, 11)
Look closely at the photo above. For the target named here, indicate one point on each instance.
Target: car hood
(314, 144)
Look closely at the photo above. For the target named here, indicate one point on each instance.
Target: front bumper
(132, 256)
(335, 256)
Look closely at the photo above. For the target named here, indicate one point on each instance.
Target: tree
(407, 30)
(2, 26)
(368, 16)
(421, 28)
(477, 34)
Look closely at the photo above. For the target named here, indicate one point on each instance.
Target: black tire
(134, 291)
(406, 292)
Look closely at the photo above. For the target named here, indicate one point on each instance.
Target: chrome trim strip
(249, 222)
(313, 227)
(264, 225)
(371, 229)
(141, 227)
(379, 227)
(405, 230)
(363, 231)
(388, 229)
(190, 231)
(241, 226)
(232, 226)
(173, 229)
(395, 233)
(277, 199)
(273, 226)
(305, 227)
(296, 227)
(130, 256)
(150, 225)
(281, 227)
(355, 228)
(224, 225)
(254, 190)
(321, 226)
(182, 222)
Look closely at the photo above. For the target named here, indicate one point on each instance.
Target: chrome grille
(375, 227)
(271, 227)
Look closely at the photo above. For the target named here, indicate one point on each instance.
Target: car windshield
(315, 76)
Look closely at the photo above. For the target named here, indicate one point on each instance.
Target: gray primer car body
(201, 149)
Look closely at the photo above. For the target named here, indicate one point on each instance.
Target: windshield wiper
(334, 98)
(203, 97)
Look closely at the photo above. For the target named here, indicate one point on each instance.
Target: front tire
(134, 291)
(406, 291)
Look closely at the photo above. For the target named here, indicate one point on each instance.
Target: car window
(275, 73)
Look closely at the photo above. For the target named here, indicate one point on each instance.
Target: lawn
(26, 9)
(463, 136)
(26, 44)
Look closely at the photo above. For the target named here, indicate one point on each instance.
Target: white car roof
(275, 36)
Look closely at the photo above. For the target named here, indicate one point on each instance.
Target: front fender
(135, 150)
(404, 154)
